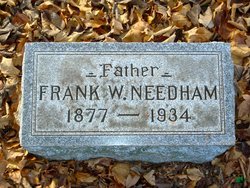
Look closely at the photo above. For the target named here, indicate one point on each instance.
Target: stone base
(156, 154)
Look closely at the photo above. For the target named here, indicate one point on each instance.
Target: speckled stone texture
(176, 101)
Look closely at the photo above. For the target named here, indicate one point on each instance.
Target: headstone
(129, 101)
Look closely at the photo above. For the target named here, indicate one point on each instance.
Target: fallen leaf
(244, 107)
(12, 154)
(53, 184)
(238, 37)
(120, 172)
(4, 13)
(180, 21)
(192, 184)
(171, 38)
(247, 20)
(7, 67)
(220, 21)
(213, 186)
(3, 165)
(150, 177)
(32, 176)
(4, 183)
(15, 176)
(200, 34)
(240, 51)
(233, 154)
(244, 134)
(166, 31)
(207, 19)
(132, 179)
(4, 121)
(238, 72)
(56, 20)
(194, 174)
(238, 25)
(4, 36)
(230, 168)
(117, 27)
(49, 5)
(137, 32)
(244, 8)
(193, 14)
(85, 177)
(25, 183)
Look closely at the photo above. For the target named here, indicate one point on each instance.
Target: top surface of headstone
(127, 94)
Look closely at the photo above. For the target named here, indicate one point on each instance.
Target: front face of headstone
(129, 101)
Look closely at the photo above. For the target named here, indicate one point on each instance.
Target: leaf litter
(121, 21)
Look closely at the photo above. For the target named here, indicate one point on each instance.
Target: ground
(121, 21)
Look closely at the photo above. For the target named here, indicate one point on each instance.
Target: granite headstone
(130, 101)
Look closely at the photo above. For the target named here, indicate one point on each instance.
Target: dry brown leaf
(194, 174)
(7, 67)
(25, 183)
(49, 5)
(20, 19)
(4, 183)
(8, 2)
(132, 179)
(237, 60)
(247, 20)
(120, 172)
(53, 184)
(191, 184)
(85, 177)
(248, 41)
(109, 39)
(181, 176)
(3, 165)
(11, 81)
(31, 175)
(238, 37)
(57, 20)
(4, 35)
(161, 10)
(180, 21)
(240, 50)
(233, 154)
(116, 27)
(4, 121)
(12, 154)
(207, 19)
(4, 13)
(213, 186)
(73, 37)
(238, 25)
(171, 38)
(244, 107)
(194, 13)
(165, 32)
(137, 32)
(89, 36)
(230, 168)
(200, 34)
(124, 18)
(15, 176)
(238, 72)
(150, 177)
(245, 8)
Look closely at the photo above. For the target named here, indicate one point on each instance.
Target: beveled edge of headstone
(27, 140)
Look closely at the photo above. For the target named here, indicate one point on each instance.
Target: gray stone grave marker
(130, 101)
